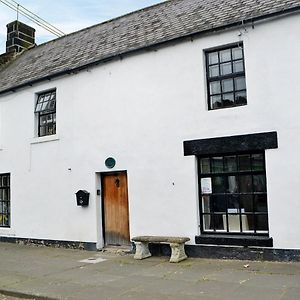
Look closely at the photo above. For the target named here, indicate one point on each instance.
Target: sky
(68, 15)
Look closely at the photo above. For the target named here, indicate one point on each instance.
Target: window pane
(205, 165)
(232, 184)
(228, 99)
(218, 203)
(207, 220)
(240, 98)
(245, 225)
(244, 162)
(238, 66)
(233, 204)
(218, 222)
(5, 197)
(217, 164)
(218, 184)
(250, 220)
(5, 207)
(258, 162)
(215, 101)
(226, 68)
(38, 107)
(237, 53)
(44, 106)
(42, 131)
(206, 204)
(215, 87)
(239, 83)
(230, 163)
(41, 98)
(234, 223)
(50, 130)
(260, 202)
(245, 183)
(261, 222)
(214, 71)
(46, 102)
(47, 97)
(259, 183)
(4, 220)
(225, 55)
(227, 85)
(246, 203)
(213, 58)
(43, 120)
(49, 118)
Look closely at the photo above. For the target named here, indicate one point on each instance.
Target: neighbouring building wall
(139, 110)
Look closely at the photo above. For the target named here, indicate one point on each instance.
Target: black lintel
(230, 144)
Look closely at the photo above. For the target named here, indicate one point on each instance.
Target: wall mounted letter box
(82, 198)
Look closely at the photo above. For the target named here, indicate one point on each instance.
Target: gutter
(121, 55)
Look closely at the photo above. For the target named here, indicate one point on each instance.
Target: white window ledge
(44, 139)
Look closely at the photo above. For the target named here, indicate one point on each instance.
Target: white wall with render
(139, 110)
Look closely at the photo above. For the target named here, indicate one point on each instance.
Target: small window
(45, 110)
(234, 194)
(226, 77)
(4, 200)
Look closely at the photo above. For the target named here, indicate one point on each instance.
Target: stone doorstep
(119, 250)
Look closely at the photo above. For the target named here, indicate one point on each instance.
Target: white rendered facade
(139, 110)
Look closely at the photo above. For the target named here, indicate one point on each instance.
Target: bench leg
(178, 253)
(141, 250)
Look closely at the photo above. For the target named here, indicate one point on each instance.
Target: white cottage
(181, 119)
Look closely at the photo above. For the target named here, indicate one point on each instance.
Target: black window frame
(5, 219)
(45, 109)
(238, 172)
(220, 78)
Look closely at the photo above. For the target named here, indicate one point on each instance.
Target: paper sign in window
(206, 186)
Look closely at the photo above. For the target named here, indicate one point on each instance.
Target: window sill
(44, 139)
(234, 240)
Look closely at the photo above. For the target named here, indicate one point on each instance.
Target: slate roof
(160, 23)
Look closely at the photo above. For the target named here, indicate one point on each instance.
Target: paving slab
(55, 273)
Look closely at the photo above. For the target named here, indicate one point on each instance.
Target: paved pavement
(51, 273)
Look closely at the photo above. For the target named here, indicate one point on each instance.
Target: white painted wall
(139, 111)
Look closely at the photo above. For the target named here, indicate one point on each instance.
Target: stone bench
(176, 244)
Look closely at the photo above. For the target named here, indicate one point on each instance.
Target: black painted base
(200, 251)
(51, 243)
(230, 252)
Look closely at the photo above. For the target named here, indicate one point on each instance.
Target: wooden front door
(115, 209)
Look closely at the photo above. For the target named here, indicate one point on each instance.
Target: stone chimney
(19, 37)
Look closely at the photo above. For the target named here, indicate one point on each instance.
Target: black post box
(82, 197)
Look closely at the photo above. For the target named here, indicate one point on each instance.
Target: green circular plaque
(110, 162)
